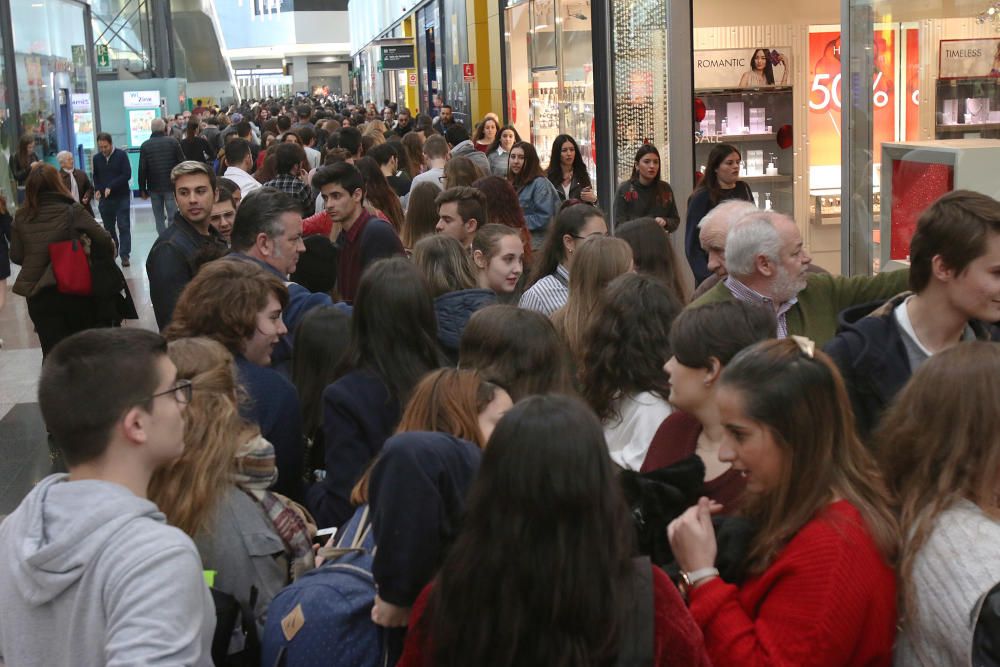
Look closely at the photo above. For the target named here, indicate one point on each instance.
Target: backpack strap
(637, 635)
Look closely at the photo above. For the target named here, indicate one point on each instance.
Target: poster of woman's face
(761, 67)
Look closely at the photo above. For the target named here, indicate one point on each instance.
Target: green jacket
(825, 295)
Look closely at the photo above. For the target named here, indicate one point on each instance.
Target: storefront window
(767, 81)
(945, 120)
(8, 131)
(55, 89)
(550, 74)
(639, 43)
(456, 90)
(429, 59)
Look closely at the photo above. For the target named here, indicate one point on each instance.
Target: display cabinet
(751, 121)
(968, 107)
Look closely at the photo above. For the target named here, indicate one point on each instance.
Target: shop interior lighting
(990, 15)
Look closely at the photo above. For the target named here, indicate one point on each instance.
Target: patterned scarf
(255, 472)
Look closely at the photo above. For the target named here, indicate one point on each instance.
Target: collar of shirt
(562, 274)
(744, 293)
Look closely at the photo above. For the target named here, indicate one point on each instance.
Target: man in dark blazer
(76, 180)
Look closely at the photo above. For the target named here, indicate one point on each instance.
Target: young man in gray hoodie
(90, 574)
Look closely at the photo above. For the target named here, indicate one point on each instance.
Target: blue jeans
(118, 210)
(159, 200)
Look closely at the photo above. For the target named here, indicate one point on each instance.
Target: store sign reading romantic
(742, 68)
(969, 58)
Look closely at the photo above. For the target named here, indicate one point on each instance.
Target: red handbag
(71, 267)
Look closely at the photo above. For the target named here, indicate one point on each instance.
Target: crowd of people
(566, 451)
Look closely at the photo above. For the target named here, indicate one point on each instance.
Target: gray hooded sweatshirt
(90, 574)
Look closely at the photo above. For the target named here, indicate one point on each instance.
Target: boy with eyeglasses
(90, 574)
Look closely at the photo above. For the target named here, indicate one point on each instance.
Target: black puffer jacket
(453, 311)
(157, 156)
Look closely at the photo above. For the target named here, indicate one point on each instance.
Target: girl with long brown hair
(538, 197)
(378, 192)
(820, 563)
(940, 448)
(599, 260)
(217, 491)
(23, 161)
(503, 208)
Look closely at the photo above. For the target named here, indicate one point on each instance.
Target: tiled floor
(24, 450)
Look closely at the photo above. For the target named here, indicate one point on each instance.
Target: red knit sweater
(677, 641)
(829, 599)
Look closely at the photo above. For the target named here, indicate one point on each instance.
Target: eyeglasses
(181, 391)
(589, 236)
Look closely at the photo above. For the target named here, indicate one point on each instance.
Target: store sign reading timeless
(742, 68)
(969, 58)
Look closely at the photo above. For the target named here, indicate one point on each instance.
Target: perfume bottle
(767, 201)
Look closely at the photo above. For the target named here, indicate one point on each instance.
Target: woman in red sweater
(703, 340)
(541, 573)
(821, 590)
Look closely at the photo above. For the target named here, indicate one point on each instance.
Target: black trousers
(57, 316)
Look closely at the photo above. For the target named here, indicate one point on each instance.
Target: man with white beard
(768, 266)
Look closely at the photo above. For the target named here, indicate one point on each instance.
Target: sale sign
(911, 38)
(825, 95)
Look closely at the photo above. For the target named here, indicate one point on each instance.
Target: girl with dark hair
(702, 342)
(545, 479)
(645, 194)
(503, 208)
(537, 196)
(548, 287)
(22, 162)
(621, 370)
(194, 145)
(820, 564)
(721, 182)
(379, 193)
(421, 214)
(761, 72)
(653, 254)
(568, 173)
(485, 133)
(938, 445)
(393, 344)
(49, 215)
(516, 349)
(499, 150)
(317, 356)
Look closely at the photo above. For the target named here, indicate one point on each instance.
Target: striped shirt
(549, 294)
(747, 295)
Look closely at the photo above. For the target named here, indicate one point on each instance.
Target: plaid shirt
(747, 295)
(298, 189)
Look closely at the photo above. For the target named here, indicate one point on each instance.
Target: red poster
(825, 95)
(912, 83)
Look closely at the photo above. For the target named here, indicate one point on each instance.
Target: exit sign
(103, 57)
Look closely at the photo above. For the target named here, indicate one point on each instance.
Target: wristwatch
(689, 579)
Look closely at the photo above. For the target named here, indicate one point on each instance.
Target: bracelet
(692, 578)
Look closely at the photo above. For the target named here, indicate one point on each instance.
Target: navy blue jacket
(172, 263)
(872, 358)
(358, 415)
(112, 172)
(453, 311)
(417, 496)
(158, 155)
(274, 407)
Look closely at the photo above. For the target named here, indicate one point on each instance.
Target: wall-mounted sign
(398, 56)
(142, 99)
(79, 102)
(412, 79)
(969, 58)
(469, 72)
(742, 68)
